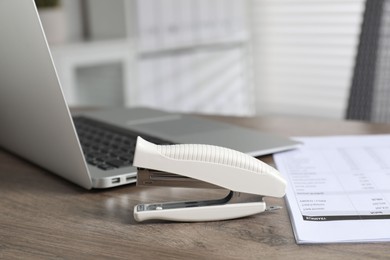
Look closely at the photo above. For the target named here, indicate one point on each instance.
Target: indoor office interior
(287, 156)
(323, 59)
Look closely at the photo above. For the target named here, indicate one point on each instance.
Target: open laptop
(37, 125)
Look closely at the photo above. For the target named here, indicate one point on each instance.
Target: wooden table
(43, 216)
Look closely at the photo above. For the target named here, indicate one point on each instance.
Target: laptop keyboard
(108, 147)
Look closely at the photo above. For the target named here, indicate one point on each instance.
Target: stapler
(204, 166)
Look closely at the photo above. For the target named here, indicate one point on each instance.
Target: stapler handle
(219, 166)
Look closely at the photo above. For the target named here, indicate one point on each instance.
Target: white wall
(304, 53)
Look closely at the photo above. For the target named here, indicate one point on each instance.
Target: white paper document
(338, 188)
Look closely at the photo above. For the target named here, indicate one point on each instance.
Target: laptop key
(105, 167)
(116, 163)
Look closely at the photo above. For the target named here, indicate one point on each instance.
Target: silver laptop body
(36, 123)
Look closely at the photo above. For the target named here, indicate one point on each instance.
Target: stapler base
(194, 211)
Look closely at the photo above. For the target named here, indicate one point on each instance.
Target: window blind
(304, 53)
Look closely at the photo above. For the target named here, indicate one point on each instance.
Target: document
(338, 188)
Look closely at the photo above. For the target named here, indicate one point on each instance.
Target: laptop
(93, 149)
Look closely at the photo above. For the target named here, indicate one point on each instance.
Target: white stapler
(204, 166)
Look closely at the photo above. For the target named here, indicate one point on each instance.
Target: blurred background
(228, 57)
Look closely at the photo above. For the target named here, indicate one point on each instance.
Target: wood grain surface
(46, 217)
